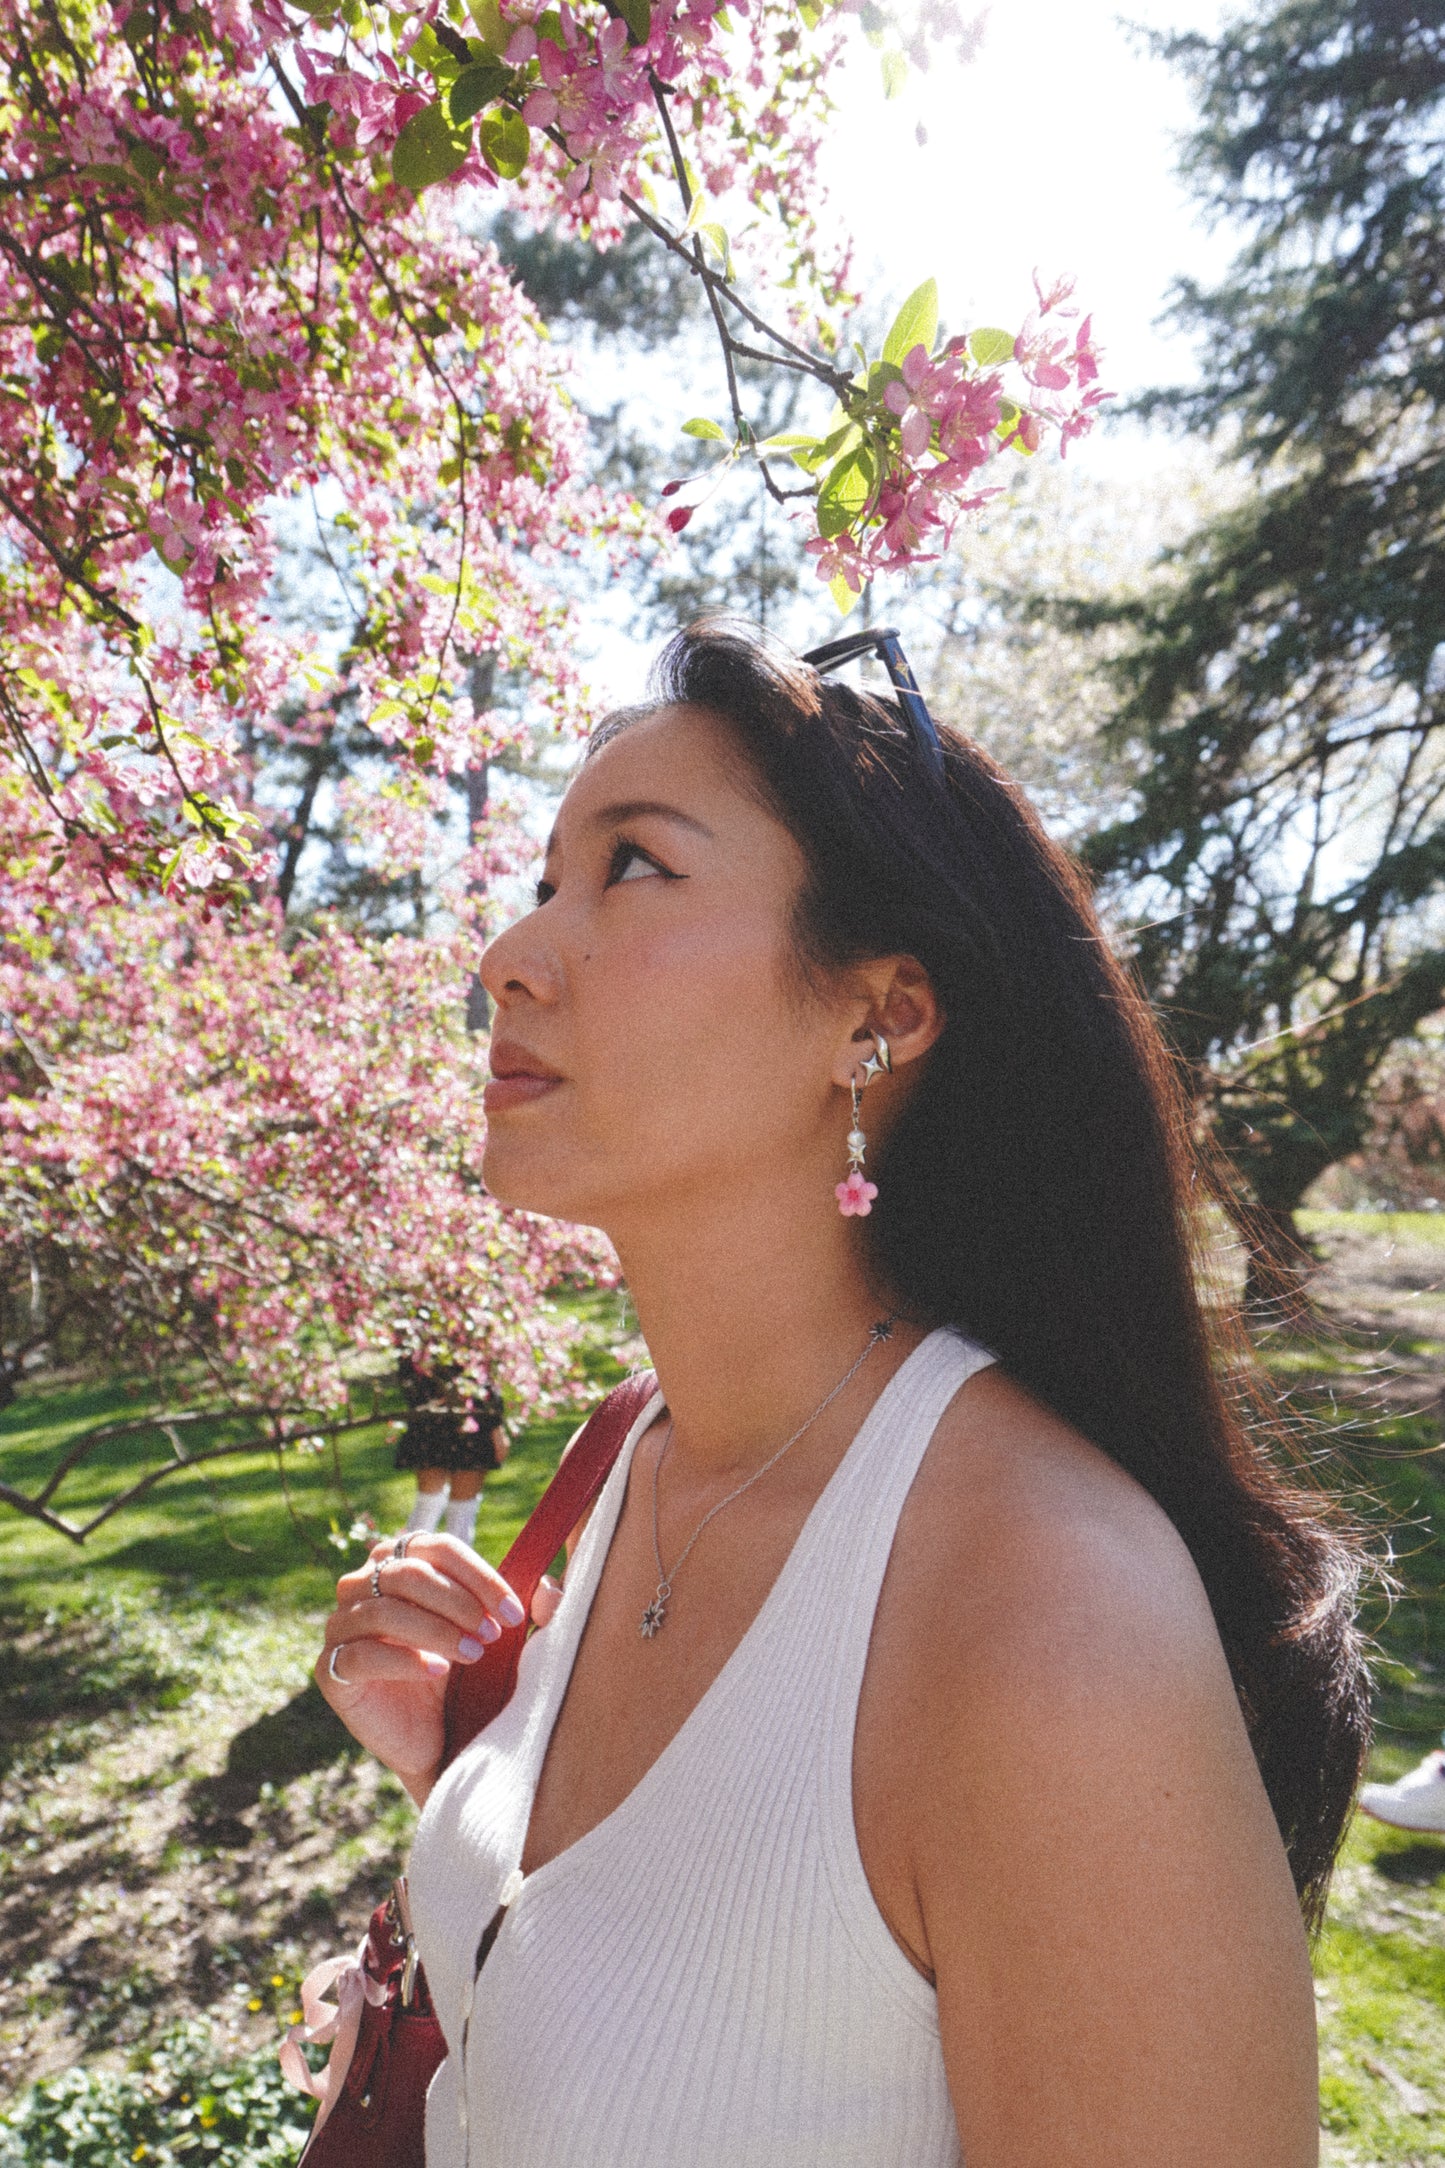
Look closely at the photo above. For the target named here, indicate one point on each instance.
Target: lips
(518, 1078)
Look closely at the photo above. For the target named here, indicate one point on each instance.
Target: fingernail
(510, 1611)
(436, 1665)
(488, 1628)
(469, 1648)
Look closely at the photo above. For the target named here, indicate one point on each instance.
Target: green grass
(1380, 1984)
(230, 1534)
(1399, 1226)
(212, 1555)
(1390, 1471)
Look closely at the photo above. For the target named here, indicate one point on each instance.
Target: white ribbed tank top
(704, 1979)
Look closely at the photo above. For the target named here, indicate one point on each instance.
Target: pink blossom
(855, 1195)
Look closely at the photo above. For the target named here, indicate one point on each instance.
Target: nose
(520, 964)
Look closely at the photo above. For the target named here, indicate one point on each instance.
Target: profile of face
(655, 1047)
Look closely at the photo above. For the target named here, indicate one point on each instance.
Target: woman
(452, 1445)
(946, 1683)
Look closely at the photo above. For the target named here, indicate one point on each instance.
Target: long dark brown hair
(1042, 1189)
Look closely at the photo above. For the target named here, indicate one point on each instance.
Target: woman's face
(652, 1048)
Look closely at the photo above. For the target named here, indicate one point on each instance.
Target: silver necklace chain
(655, 1615)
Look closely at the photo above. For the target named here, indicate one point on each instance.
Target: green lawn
(161, 1749)
(240, 1531)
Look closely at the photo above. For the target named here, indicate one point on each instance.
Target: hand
(439, 1605)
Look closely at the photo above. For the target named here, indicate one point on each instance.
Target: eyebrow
(634, 809)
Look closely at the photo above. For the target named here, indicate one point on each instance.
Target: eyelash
(622, 850)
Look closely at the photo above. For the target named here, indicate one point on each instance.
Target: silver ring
(331, 1670)
(398, 1550)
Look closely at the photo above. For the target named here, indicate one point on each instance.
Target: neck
(752, 1311)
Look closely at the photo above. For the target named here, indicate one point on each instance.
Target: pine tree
(1283, 685)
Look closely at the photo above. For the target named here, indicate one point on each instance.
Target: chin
(524, 1181)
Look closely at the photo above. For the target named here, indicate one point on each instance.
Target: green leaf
(550, 26)
(805, 452)
(844, 439)
(475, 87)
(506, 143)
(716, 237)
(488, 18)
(427, 150)
(895, 73)
(811, 16)
(637, 14)
(916, 324)
(700, 428)
(845, 493)
(990, 347)
(843, 595)
(428, 52)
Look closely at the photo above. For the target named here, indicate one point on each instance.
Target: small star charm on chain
(655, 1616)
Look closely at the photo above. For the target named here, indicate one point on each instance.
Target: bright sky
(1055, 147)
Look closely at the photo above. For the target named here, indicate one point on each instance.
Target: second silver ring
(398, 1550)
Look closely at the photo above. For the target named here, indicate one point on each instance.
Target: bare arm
(1122, 1973)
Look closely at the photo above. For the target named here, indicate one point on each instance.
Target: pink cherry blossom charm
(855, 1196)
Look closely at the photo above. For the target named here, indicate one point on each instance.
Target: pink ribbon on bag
(335, 2022)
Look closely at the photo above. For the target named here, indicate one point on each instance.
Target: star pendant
(652, 1618)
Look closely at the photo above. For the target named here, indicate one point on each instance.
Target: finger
(546, 1600)
(360, 1664)
(447, 1555)
(412, 1626)
(420, 1581)
(417, 1581)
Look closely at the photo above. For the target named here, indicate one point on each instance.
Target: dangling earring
(856, 1193)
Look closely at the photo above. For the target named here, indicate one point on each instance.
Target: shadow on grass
(289, 1742)
(1418, 1866)
(63, 1672)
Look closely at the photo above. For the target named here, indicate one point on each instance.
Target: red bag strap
(477, 1692)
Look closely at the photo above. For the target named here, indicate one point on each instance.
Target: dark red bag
(373, 2111)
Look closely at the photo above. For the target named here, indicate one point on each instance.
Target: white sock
(461, 1518)
(425, 1517)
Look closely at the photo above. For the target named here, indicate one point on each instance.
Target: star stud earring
(855, 1193)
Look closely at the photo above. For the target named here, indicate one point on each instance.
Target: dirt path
(1383, 1298)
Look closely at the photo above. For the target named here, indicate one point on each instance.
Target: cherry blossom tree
(220, 286)
(253, 1169)
(240, 284)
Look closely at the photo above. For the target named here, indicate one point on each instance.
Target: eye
(629, 862)
(543, 893)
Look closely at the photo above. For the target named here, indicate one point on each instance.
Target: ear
(897, 998)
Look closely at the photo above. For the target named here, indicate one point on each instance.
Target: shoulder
(1040, 1563)
(1045, 1652)
(1069, 1803)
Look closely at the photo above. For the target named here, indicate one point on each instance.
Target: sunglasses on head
(886, 645)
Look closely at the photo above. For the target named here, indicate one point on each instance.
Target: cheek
(689, 990)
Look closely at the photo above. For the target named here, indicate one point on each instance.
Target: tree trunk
(1280, 1264)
